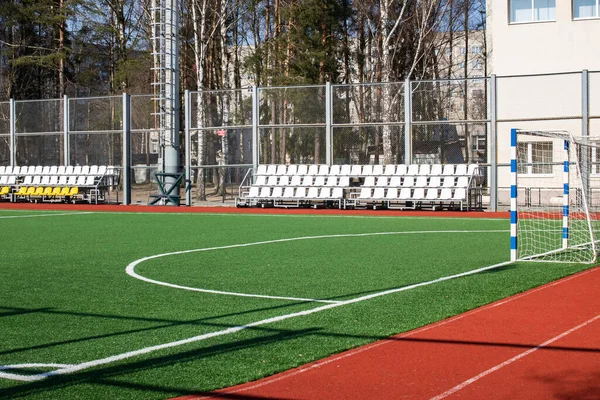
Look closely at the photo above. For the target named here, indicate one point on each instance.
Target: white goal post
(555, 195)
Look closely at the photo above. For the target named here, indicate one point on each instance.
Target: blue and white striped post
(513, 195)
(565, 226)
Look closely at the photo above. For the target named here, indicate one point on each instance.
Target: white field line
(45, 215)
(511, 360)
(135, 353)
(130, 270)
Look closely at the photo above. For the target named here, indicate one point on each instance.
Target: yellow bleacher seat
(47, 191)
(74, 191)
(22, 191)
(39, 191)
(4, 190)
(56, 191)
(65, 191)
(30, 191)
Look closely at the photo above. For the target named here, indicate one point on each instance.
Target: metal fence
(228, 132)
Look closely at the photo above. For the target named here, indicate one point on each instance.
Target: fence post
(126, 149)
(188, 148)
(585, 102)
(407, 122)
(493, 159)
(66, 142)
(13, 141)
(328, 129)
(255, 114)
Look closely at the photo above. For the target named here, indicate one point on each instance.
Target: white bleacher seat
(345, 170)
(72, 180)
(277, 192)
(356, 170)
(331, 181)
(369, 181)
(53, 170)
(335, 170)
(46, 170)
(283, 180)
(102, 170)
(302, 170)
(288, 192)
(389, 170)
(377, 169)
(344, 181)
(12, 180)
(391, 194)
(473, 169)
(261, 170)
(63, 180)
(432, 194)
(3, 179)
(265, 192)
(460, 195)
(308, 180)
(425, 169)
(16, 171)
(292, 170)
(421, 181)
(38, 170)
(367, 170)
(446, 194)
(61, 170)
(408, 181)
(28, 180)
(281, 170)
(53, 180)
(2, 168)
(253, 193)
(323, 170)
(300, 193)
(418, 194)
(379, 193)
(413, 170)
(313, 169)
(296, 180)
(313, 193)
(448, 182)
(45, 180)
(405, 194)
(271, 169)
(382, 181)
(435, 182)
(69, 170)
(401, 170)
(395, 181)
(337, 193)
(93, 170)
(81, 179)
(8, 170)
(325, 193)
(272, 180)
(448, 170)
(319, 181)
(461, 169)
(77, 170)
(365, 193)
(90, 180)
(436, 169)
(462, 182)
(261, 180)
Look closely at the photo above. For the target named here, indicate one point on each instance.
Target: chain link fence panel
(39, 132)
(364, 144)
(301, 105)
(368, 103)
(221, 108)
(292, 145)
(5, 133)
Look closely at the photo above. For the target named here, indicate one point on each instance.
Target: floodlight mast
(165, 38)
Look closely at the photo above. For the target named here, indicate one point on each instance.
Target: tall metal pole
(328, 129)
(13, 141)
(255, 136)
(126, 149)
(66, 144)
(188, 149)
(493, 142)
(585, 131)
(407, 123)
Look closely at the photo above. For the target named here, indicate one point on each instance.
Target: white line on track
(45, 215)
(511, 360)
(123, 356)
(130, 270)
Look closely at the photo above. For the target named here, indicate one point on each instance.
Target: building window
(534, 158)
(585, 9)
(477, 63)
(463, 50)
(477, 50)
(532, 10)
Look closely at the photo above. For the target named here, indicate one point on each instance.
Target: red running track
(541, 344)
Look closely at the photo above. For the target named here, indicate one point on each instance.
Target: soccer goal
(555, 196)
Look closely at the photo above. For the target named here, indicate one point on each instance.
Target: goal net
(555, 196)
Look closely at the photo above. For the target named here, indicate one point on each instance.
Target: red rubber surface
(435, 359)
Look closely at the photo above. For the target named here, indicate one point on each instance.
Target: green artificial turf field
(249, 295)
